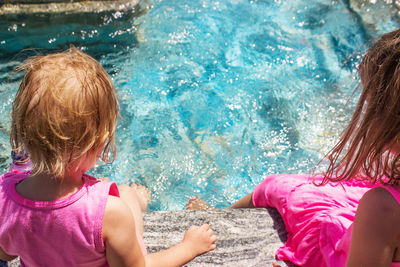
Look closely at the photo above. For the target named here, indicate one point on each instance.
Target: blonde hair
(362, 152)
(65, 107)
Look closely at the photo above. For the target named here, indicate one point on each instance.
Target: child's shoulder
(383, 197)
(381, 205)
(376, 230)
(117, 215)
(386, 193)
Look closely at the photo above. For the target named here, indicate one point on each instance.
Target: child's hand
(200, 239)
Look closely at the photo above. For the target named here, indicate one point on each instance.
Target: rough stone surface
(58, 6)
(47, 1)
(246, 237)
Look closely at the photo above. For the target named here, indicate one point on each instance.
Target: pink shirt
(65, 232)
(318, 219)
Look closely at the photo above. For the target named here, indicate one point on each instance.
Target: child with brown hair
(350, 216)
(64, 115)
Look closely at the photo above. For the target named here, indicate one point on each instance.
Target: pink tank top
(65, 232)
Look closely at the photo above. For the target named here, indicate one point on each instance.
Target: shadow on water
(99, 34)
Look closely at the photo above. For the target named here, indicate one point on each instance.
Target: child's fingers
(205, 227)
(193, 227)
(213, 238)
(210, 232)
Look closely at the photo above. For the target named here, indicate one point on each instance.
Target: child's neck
(44, 187)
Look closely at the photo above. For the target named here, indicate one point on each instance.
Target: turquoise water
(214, 95)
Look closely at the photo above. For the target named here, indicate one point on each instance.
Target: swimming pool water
(214, 95)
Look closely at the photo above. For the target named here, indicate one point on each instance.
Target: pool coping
(22, 7)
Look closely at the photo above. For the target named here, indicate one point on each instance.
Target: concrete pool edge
(23, 7)
(246, 237)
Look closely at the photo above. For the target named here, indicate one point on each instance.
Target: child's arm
(244, 203)
(122, 246)
(197, 240)
(119, 235)
(5, 257)
(375, 232)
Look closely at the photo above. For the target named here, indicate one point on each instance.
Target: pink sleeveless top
(65, 232)
(318, 219)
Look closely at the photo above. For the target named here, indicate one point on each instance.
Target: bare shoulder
(119, 235)
(382, 198)
(114, 206)
(380, 208)
(375, 236)
(116, 215)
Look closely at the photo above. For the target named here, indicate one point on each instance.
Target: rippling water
(214, 95)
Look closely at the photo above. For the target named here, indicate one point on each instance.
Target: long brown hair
(370, 147)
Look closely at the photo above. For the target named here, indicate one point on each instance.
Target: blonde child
(64, 115)
(353, 217)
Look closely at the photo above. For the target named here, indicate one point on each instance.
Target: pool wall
(72, 6)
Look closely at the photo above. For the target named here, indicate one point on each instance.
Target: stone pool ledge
(64, 6)
(246, 237)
